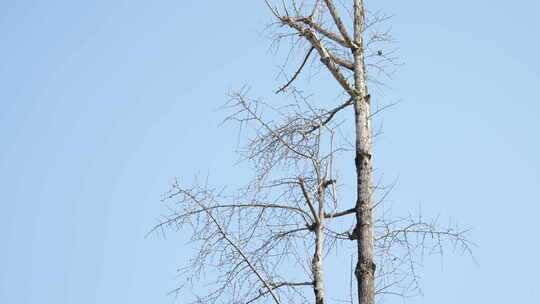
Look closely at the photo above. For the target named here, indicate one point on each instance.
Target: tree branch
(337, 21)
(331, 115)
(190, 213)
(338, 214)
(239, 250)
(342, 62)
(324, 32)
(297, 72)
(326, 57)
(278, 285)
(308, 200)
(393, 233)
(246, 106)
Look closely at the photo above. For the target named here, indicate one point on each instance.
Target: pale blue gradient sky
(103, 103)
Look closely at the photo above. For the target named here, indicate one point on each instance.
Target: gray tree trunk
(317, 262)
(365, 267)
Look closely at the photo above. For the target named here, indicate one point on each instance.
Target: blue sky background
(104, 103)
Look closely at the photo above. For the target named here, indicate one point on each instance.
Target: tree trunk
(365, 267)
(317, 264)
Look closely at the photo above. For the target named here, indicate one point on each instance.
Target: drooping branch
(297, 71)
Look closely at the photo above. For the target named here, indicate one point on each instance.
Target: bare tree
(268, 241)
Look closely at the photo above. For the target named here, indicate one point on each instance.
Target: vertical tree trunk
(365, 267)
(317, 262)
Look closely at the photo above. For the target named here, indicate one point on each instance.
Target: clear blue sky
(104, 103)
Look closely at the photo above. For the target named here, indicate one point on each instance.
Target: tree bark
(365, 267)
(317, 264)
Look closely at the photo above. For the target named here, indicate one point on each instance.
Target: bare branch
(331, 114)
(337, 21)
(240, 251)
(308, 200)
(326, 58)
(272, 9)
(342, 213)
(297, 72)
(285, 233)
(278, 285)
(242, 101)
(332, 36)
(342, 62)
(380, 109)
(177, 217)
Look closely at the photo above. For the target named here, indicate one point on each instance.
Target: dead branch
(278, 285)
(308, 200)
(331, 114)
(338, 22)
(297, 71)
(338, 214)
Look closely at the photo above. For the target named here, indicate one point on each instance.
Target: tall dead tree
(268, 241)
